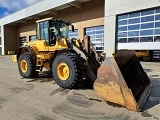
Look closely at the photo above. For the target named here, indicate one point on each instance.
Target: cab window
(44, 31)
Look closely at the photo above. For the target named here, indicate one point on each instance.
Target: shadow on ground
(44, 76)
(147, 70)
(154, 98)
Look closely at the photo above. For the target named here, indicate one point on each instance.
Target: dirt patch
(2, 101)
(145, 114)
(79, 101)
(18, 89)
(29, 86)
(56, 91)
(71, 112)
(42, 117)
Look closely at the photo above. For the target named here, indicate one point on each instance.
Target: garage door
(97, 37)
(73, 34)
(139, 30)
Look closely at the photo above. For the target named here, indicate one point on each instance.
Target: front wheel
(67, 69)
(26, 66)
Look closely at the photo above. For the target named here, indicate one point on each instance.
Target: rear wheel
(67, 69)
(148, 58)
(26, 66)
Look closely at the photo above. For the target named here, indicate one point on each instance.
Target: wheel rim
(24, 66)
(63, 71)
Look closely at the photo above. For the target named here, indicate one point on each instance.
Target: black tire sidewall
(148, 58)
(69, 62)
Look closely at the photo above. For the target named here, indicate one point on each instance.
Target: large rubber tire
(30, 71)
(148, 58)
(76, 70)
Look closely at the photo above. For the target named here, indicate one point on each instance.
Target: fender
(24, 49)
(57, 52)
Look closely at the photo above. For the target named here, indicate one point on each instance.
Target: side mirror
(72, 28)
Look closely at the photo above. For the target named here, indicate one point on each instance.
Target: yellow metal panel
(11, 52)
(14, 58)
(142, 53)
(46, 19)
(61, 43)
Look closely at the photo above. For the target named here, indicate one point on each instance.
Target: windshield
(60, 29)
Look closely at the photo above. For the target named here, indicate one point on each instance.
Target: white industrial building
(112, 24)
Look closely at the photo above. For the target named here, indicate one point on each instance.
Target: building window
(32, 37)
(122, 40)
(22, 40)
(0, 41)
(133, 39)
(146, 39)
(73, 34)
(142, 26)
(157, 38)
(97, 37)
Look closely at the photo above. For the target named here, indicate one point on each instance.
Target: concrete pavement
(42, 99)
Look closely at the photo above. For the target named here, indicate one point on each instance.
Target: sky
(10, 6)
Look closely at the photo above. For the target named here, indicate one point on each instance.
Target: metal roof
(39, 9)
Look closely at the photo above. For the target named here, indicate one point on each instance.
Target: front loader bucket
(122, 80)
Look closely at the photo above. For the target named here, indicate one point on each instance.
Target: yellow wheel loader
(119, 79)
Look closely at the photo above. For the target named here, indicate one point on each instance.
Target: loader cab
(51, 29)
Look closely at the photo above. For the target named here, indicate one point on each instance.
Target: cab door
(44, 33)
